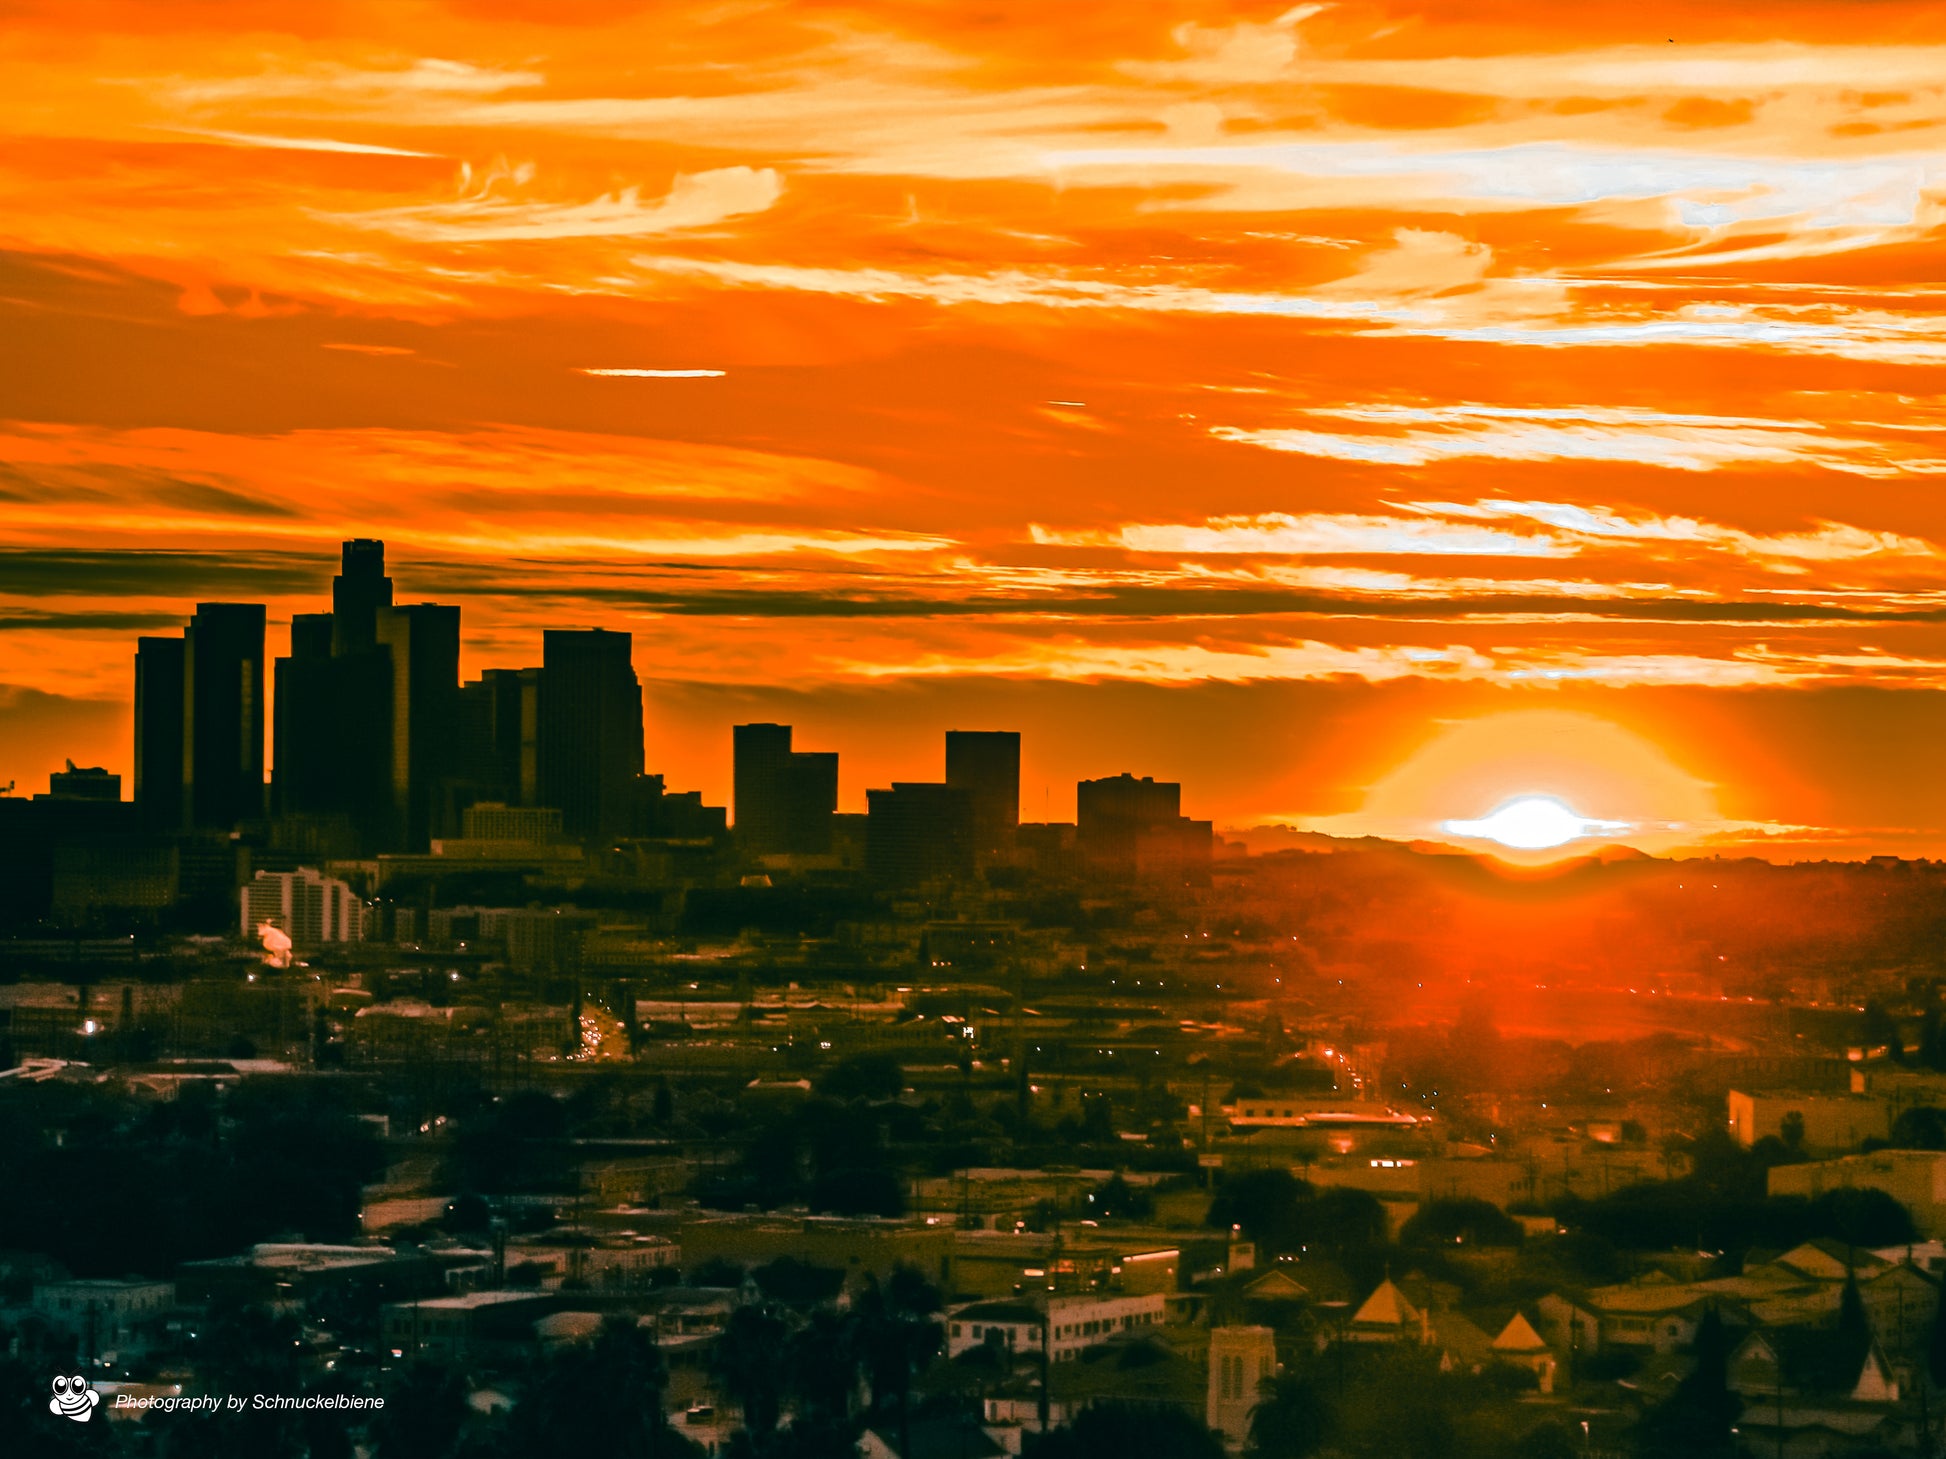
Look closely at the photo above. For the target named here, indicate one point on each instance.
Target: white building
(305, 905)
(1074, 1323)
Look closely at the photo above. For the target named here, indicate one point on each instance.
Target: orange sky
(1234, 393)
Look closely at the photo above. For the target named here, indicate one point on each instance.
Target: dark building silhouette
(657, 813)
(158, 733)
(223, 715)
(784, 799)
(918, 832)
(422, 640)
(332, 741)
(305, 735)
(357, 593)
(986, 765)
(498, 756)
(83, 782)
(1136, 827)
(590, 745)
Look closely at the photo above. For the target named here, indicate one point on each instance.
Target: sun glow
(1532, 823)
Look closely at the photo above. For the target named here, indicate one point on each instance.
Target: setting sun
(1532, 823)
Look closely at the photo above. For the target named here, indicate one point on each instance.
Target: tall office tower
(361, 680)
(304, 736)
(590, 747)
(158, 733)
(918, 832)
(810, 801)
(499, 742)
(223, 715)
(423, 640)
(760, 757)
(986, 764)
(784, 799)
(1137, 827)
(357, 593)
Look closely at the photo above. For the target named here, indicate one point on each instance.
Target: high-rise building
(357, 593)
(918, 832)
(305, 905)
(361, 686)
(784, 798)
(158, 733)
(1136, 827)
(423, 642)
(305, 740)
(499, 737)
(759, 755)
(986, 765)
(590, 745)
(223, 715)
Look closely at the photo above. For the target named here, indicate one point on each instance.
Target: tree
(898, 1336)
(1263, 1202)
(750, 1365)
(1698, 1418)
(1861, 1216)
(824, 1370)
(1342, 1219)
(1922, 1127)
(1117, 1431)
(603, 1397)
(424, 1414)
(863, 1076)
(1460, 1220)
(1291, 1421)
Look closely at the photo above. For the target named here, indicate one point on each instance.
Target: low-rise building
(1916, 1179)
(1821, 1122)
(103, 1316)
(1073, 1324)
(465, 1328)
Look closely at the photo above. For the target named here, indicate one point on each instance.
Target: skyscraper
(361, 688)
(590, 748)
(499, 741)
(423, 642)
(918, 832)
(784, 798)
(759, 756)
(986, 764)
(305, 733)
(357, 593)
(223, 715)
(158, 733)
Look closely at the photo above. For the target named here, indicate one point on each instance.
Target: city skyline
(1246, 391)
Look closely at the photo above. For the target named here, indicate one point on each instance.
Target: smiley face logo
(73, 1398)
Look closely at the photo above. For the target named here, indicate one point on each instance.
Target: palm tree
(603, 1398)
(750, 1366)
(898, 1338)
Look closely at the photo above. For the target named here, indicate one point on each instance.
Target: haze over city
(966, 729)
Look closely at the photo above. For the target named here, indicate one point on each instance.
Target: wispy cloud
(1322, 533)
(631, 374)
(297, 144)
(480, 215)
(1442, 529)
(1682, 441)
